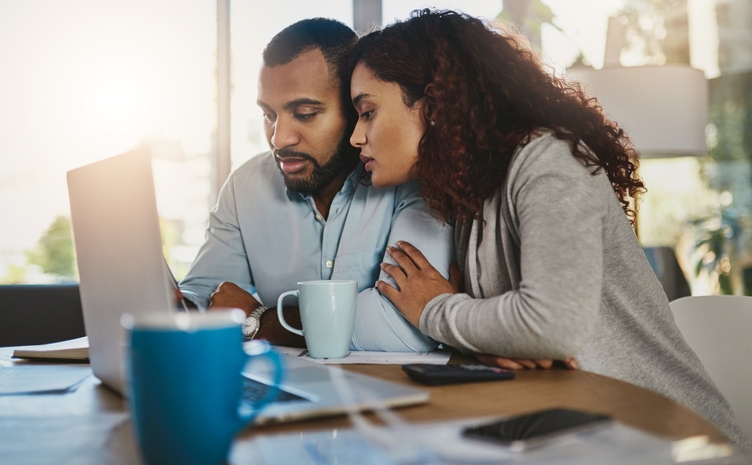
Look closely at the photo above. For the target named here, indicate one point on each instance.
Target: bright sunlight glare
(113, 98)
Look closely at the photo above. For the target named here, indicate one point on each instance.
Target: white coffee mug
(327, 312)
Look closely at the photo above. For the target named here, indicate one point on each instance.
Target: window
(83, 80)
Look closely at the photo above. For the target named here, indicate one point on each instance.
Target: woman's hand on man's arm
(417, 281)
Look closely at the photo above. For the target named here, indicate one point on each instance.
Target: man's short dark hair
(330, 36)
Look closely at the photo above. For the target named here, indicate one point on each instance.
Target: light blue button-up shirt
(266, 239)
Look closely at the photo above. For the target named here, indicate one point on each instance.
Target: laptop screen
(119, 253)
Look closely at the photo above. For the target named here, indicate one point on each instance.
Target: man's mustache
(281, 154)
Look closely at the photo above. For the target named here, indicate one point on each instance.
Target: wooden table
(531, 390)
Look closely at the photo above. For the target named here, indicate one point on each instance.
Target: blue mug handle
(263, 349)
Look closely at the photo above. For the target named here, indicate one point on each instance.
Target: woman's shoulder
(546, 169)
(544, 144)
(546, 153)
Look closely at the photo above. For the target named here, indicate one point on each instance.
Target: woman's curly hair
(486, 93)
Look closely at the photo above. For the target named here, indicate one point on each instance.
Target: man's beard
(344, 157)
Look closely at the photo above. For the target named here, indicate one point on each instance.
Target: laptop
(122, 270)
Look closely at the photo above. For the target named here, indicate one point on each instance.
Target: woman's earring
(432, 123)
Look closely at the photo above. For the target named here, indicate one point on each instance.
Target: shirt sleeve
(379, 325)
(222, 256)
(559, 208)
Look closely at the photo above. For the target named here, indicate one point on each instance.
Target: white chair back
(719, 330)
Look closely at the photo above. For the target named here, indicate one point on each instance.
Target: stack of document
(71, 350)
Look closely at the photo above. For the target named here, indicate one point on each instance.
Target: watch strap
(256, 315)
(259, 311)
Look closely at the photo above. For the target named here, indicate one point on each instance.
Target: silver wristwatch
(253, 323)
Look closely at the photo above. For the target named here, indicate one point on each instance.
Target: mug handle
(281, 315)
(261, 348)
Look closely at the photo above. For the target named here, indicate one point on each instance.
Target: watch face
(250, 325)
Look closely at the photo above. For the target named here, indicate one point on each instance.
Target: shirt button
(329, 263)
(319, 217)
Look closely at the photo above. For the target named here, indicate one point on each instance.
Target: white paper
(435, 357)
(31, 378)
(442, 443)
(77, 349)
(82, 444)
(77, 343)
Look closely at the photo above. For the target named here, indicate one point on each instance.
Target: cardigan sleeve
(557, 207)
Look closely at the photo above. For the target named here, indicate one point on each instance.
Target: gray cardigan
(554, 270)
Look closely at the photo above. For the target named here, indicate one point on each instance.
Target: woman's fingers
(522, 363)
(502, 362)
(402, 259)
(415, 255)
(529, 364)
(544, 363)
(455, 277)
(396, 272)
(571, 363)
(389, 291)
(507, 363)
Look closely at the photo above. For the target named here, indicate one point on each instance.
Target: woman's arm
(418, 282)
(557, 207)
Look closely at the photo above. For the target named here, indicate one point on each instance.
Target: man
(319, 219)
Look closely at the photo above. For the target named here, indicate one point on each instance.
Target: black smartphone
(533, 429)
(435, 375)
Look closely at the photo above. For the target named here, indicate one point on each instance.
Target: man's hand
(181, 303)
(230, 295)
(417, 280)
(521, 364)
(178, 297)
(271, 329)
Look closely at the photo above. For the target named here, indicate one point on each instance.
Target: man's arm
(230, 295)
(222, 256)
(272, 330)
(379, 325)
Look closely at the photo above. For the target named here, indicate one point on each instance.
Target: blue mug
(185, 384)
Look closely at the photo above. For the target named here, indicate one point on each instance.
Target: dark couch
(38, 314)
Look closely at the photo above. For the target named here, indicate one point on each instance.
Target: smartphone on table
(522, 432)
(435, 375)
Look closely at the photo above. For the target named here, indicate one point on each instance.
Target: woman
(540, 187)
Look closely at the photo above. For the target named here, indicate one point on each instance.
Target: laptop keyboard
(254, 390)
